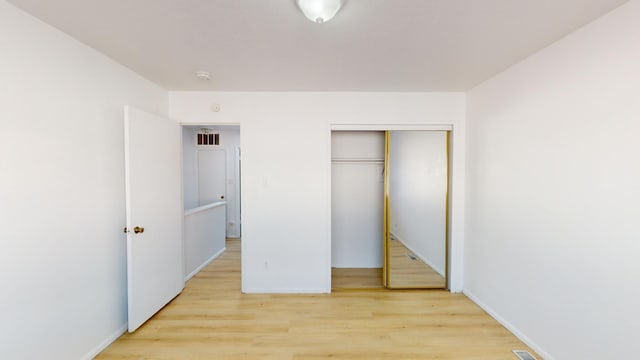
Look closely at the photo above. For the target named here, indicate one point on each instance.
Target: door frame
(454, 216)
(387, 266)
(239, 199)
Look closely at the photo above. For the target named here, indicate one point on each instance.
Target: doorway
(211, 192)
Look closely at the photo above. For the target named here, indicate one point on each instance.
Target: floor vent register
(523, 355)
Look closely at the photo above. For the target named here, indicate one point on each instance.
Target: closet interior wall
(357, 185)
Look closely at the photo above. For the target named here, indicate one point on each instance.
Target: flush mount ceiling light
(320, 11)
(203, 75)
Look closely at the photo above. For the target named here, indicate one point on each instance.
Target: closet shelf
(357, 160)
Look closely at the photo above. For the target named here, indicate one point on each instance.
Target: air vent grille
(207, 138)
(523, 355)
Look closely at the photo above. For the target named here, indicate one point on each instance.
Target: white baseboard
(437, 269)
(357, 266)
(108, 341)
(515, 331)
(204, 264)
(103, 345)
(285, 291)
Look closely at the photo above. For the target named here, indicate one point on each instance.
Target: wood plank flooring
(356, 278)
(211, 319)
(411, 272)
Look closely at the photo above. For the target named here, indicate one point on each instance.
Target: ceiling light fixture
(320, 11)
(203, 75)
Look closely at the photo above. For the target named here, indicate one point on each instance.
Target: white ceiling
(268, 45)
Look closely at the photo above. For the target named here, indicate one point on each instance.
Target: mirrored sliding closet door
(415, 219)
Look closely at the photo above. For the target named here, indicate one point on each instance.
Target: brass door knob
(138, 230)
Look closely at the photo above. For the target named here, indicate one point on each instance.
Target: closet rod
(358, 161)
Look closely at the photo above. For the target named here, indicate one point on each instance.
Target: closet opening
(389, 209)
(357, 201)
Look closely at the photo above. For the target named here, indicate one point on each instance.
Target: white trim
(515, 331)
(394, 127)
(356, 266)
(457, 174)
(238, 209)
(286, 291)
(210, 148)
(128, 221)
(103, 345)
(328, 265)
(437, 269)
(356, 161)
(187, 123)
(182, 222)
(204, 207)
(204, 264)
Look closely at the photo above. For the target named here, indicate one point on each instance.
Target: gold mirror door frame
(385, 212)
(390, 249)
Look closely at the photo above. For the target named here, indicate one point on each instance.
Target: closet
(357, 193)
(389, 209)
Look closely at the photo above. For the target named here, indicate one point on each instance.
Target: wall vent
(523, 355)
(207, 137)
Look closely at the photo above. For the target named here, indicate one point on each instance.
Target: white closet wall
(357, 186)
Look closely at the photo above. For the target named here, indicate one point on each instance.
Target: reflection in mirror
(416, 219)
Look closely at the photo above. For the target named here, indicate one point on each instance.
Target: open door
(155, 272)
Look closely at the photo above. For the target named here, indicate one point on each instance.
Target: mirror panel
(416, 190)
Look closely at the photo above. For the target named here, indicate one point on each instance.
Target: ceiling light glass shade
(320, 11)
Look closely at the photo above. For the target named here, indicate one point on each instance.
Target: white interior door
(212, 176)
(155, 273)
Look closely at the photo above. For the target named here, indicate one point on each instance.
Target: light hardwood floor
(407, 270)
(211, 319)
(356, 278)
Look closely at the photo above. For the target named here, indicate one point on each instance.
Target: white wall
(286, 165)
(357, 198)
(62, 264)
(204, 236)
(189, 168)
(418, 193)
(357, 145)
(553, 180)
